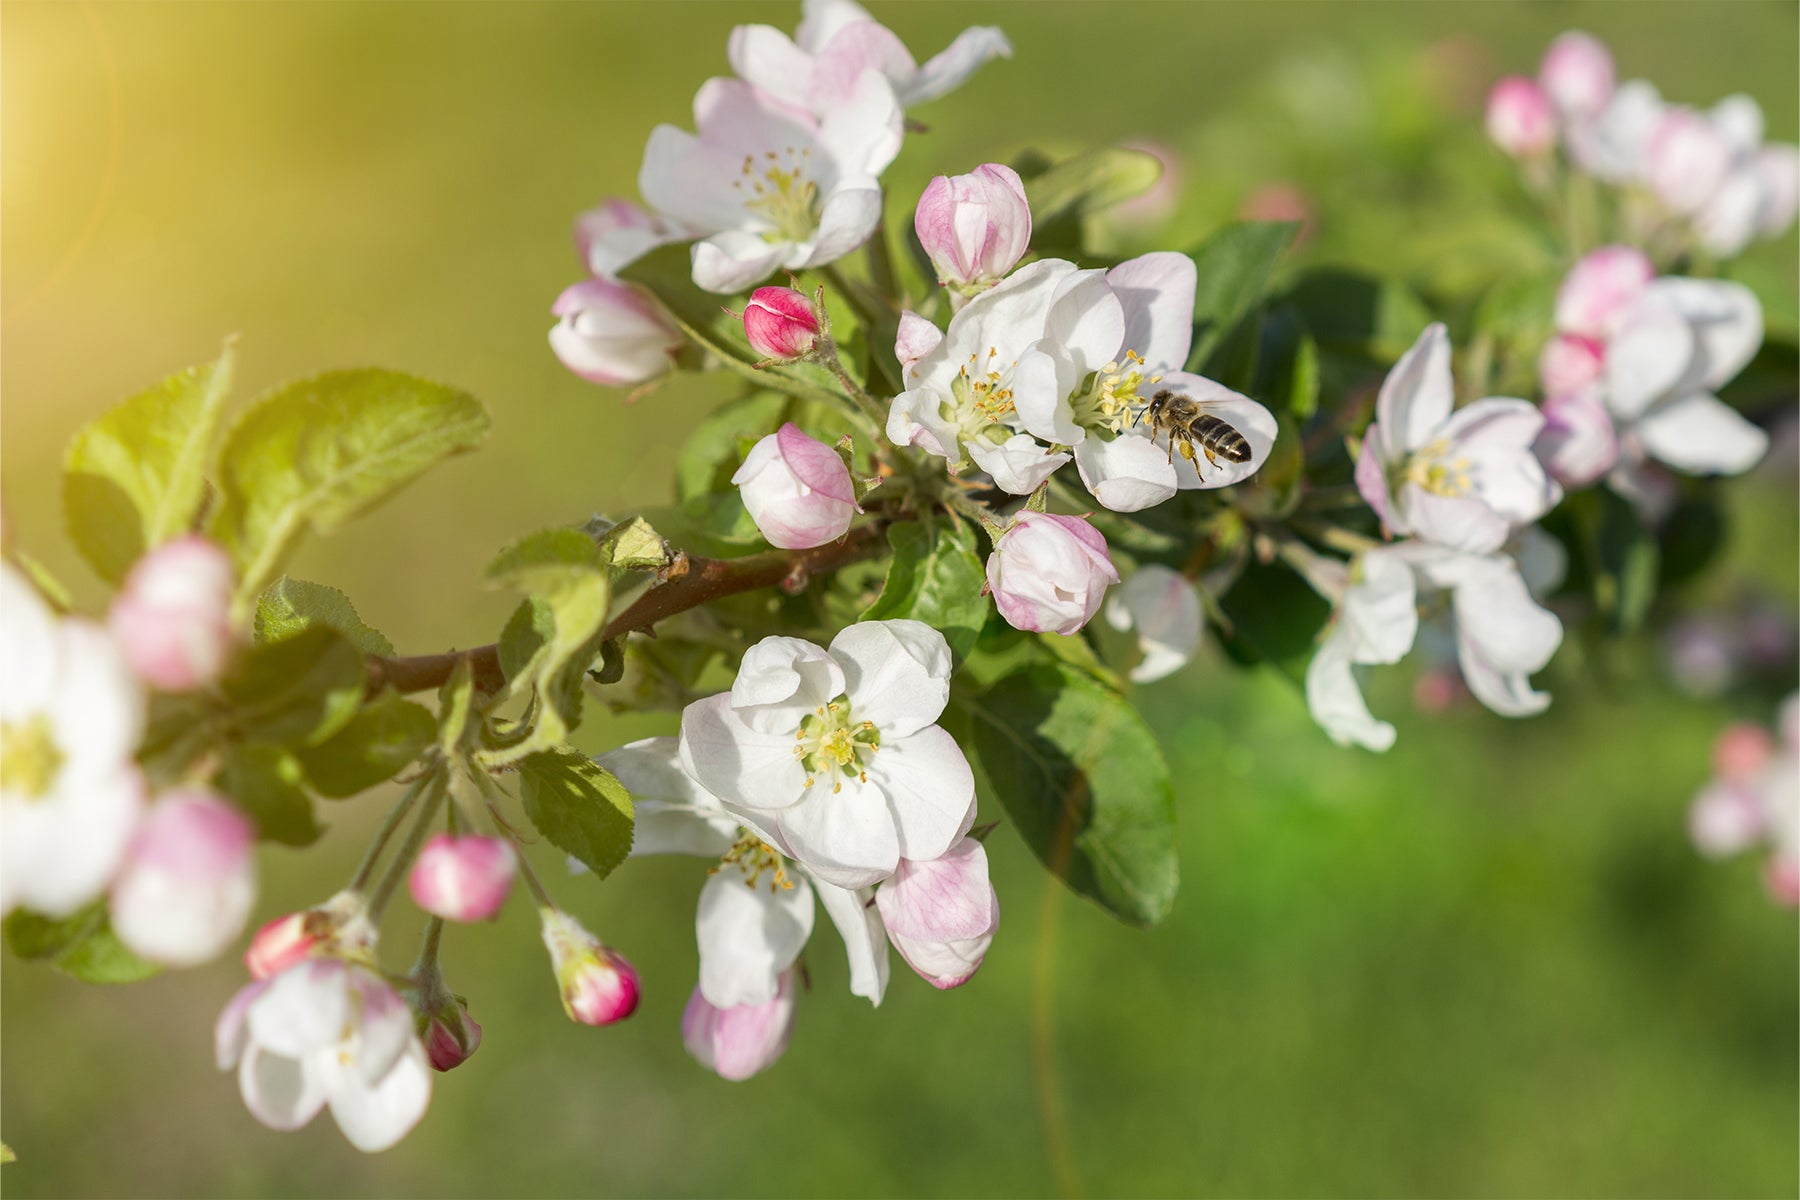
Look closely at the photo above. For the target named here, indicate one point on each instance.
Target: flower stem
(391, 822)
(532, 883)
(436, 788)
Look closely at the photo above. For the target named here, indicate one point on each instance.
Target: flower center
(833, 744)
(1432, 468)
(1105, 403)
(29, 757)
(753, 856)
(781, 193)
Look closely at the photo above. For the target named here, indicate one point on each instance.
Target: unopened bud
(1048, 573)
(188, 881)
(463, 878)
(341, 922)
(781, 323)
(598, 985)
(797, 490)
(173, 616)
(1520, 119)
(1577, 74)
(739, 1041)
(450, 1036)
(974, 227)
(612, 333)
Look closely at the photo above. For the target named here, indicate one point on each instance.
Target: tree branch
(705, 579)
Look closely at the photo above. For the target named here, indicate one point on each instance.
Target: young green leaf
(82, 945)
(312, 454)
(936, 578)
(1273, 617)
(1090, 182)
(1084, 782)
(137, 476)
(298, 691)
(578, 806)
(266, 783)
(379, 742)
(289, 605)
(1235, 266)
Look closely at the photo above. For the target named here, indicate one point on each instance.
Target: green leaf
(137, 476)
(312, 454)
(634, 545)
(290, 605)
(1085, 784)
(935, 577)
(1363, 316)
(81, 944)
(578, 806)
(1235, 266)
(713, 452)
(379, 742)
(1090, 182)
(267, 784)
(298, 691)
(1627, 565)
(1274, 617)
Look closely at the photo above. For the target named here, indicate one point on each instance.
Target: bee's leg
(1171, 447)
(1209, 456)
(1187, 452)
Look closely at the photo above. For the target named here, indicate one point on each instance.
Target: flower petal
(780, 680)
(858, 922)
(1156, 292)
(1018, 465)
(768, 59)
(1458, 522)
(674, 814)
(896, 674)
(280, 1092)
(731, 261)
(736, 762)
(930, 790)
(1086, 322)
(843, 831)
(1701, 435)
(1652, 352)
(375, 1117)
(951, 67)
(1336, 702)
(1727, 324)
(748, 935)
(847, 218)
(1417, 394)
(1127, 473)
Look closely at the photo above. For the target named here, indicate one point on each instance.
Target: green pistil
(830, 743)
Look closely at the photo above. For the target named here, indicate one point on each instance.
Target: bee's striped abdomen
(1220, 437)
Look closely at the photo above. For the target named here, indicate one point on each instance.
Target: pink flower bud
(1725, 819)
(941, 915)
(173, 616)
(781, 323)
(740, 1041)
(598, 985)
(1688, 160)
(1577, 73)
(1519, 118)
(974, 227)
(341, 922)
(450, 1036)
(1570, 363)
(1595, 295)
(1049, 572)
(463, 878)
(188, 880)
(1741, 750)
(1577, 444)
(797, 490)
(612, 333)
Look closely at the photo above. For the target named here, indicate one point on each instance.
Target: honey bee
(1187, 423)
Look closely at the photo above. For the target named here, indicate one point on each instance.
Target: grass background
(1485, 963)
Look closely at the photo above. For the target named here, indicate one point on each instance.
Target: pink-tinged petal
(749, 935)
(1336, 701)
(1571, 363)
(1652, 352)
(1578, 445)
(735, 119)
(858, 47)
(736, 1043)
(231, 1035)
(1252, 420)
(940, 899)
(1086, 322)
(916, 338)
(1125, 474)
(1417, 394)
(974, 227)
(188, 881)
(1577, 72)
(1741, 751)
(769, 59)
(896, 674)
(1372, 484)
(173, 616)
(280, 1092)
(736, 762)
(843, 830)
(1727, 324)
(780, 323)
(463, 878)
(858, 922)
(847, 219)
(823, 20)
(1520, 118)
(1018, 465)
(815, 464)
(375, 1116)
(612, 334)
(1726, 819)
(1156, 292)
(1688, 159)
(1701, 435)
(861, 134)
(951, 67)
(731, 261)
(930, 790)
(946, 965)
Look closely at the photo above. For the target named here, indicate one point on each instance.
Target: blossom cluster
(1753, 799)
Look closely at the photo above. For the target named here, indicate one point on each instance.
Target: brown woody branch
(704, 580)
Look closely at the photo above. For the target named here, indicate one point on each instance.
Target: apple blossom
(1688, 159)
(612, 333)
(1778, 168)
(599, 987)
(1577, 73)
(327, 1033)
(1599, 290)
(1520, 119)
(836, 42)
(1577, 444)
(1615, 145)
(941, 915)
(1164, 609)
(1754, 799)
(1112, 341)
(463, 878)
(616, 233)
(1375, 623)
(1460, 479)
(1756, 196)
(71, 714)
(974, 227)
(1570, 363)
(797, 490)
(781, 323)
(1049, 572)
(340, 926)
(188, 880)
(835, 751)
(768, 186)
(915, 338)
(173, 616)
(741, 1040)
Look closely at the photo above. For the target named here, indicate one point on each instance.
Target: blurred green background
(1486, 963)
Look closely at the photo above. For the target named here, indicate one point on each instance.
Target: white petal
(96, 704)
(822, 20)
(1085, 323)
(1496, 436)
(28, 646)
(1337, 703)
(731, 261)
(950, 68)
(1417, 394)
(843, 831)
(1006, 318)
(896, 674)
(749, 935)
(1459, 522)
(1649, 355)
(384, 1027)
(1701, 435)
(1496, 616)
(1508, 693)
(1727, 323)
(769, 59)
(374, 1118)
(865, 939)
(930, 790)
(231, 1035)
(780, 680)
(59, 851)
(1379, 617)
(1156, 292)
(849, 215)
(1126, 474)
(862, 134)
(1041, 382)
(1018, 465)
(735, 762)
(281, 1092)
(306, 1009)
(674, 814)
(689, 181)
